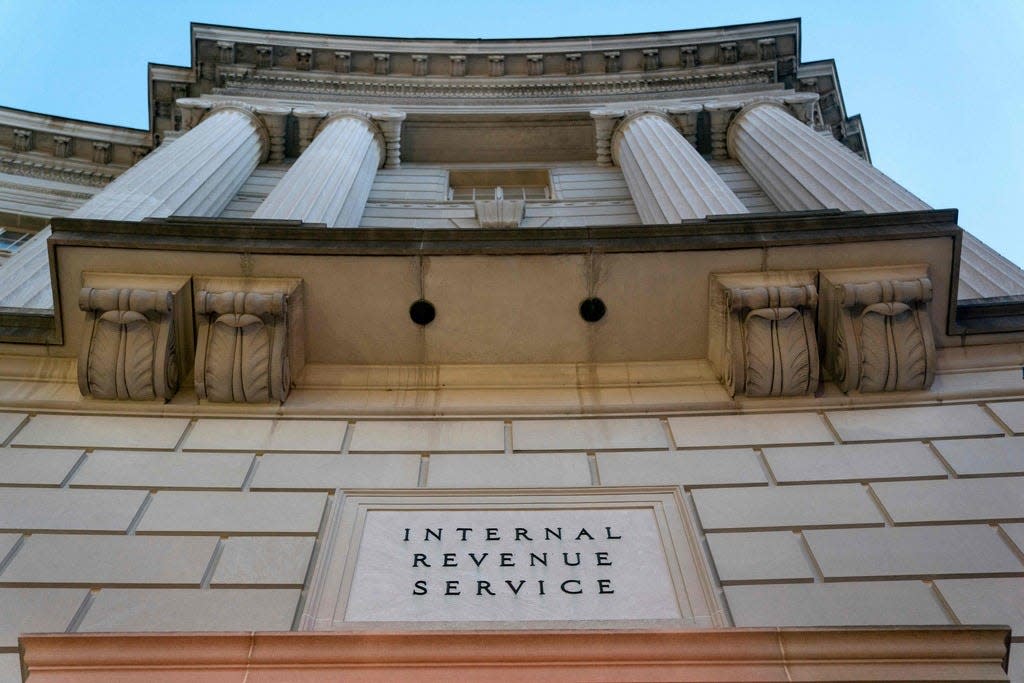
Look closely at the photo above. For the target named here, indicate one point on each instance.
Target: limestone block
(185, 609)
(328, 472)
(1011, 413)
(953, 500)
(36, 466)
(986, 601)
(81, 559)
(98, 431)
(10, 668)
(28, 509)
(749, 430)
(302, 436)
(428, 436)
(9, 422)
(263, 561)
(983, 457)
(586, 435)
(761, 335)
(1016, 534)
(911, 552)
(247, 337)
(873, 603)
(718, 467)
(504, 471)
(233, 513)
(874, 328)
(7, 543)
(36, 610)
(928, 422)
(852, 463)
(760, 557)
(786, 507)
(154, 470)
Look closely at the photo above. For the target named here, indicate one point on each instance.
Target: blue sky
(939, 84)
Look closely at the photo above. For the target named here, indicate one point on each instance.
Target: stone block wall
(841, 517)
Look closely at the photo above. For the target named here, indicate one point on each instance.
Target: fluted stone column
(195, 175)
(804, 170)
(667, 177)
(331, 180)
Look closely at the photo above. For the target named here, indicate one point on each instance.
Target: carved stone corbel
(761, 336)
(23, 140)
(248, 339)
(876, 333)
(128, 347)
(605, 121)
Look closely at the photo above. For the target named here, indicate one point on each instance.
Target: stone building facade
(607, 357)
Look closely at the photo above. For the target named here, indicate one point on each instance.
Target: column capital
(604, 125)
(359, 115)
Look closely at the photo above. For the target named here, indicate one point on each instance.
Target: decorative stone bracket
(248, 340)
(500, 212)
(875, 329)
(762, 337)
(241, 351)
(128, 344)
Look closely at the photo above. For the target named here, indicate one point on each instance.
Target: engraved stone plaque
(511, 560)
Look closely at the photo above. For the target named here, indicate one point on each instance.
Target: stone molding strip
(770, 654)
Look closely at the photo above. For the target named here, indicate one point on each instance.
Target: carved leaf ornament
(241, 353)
(884, 337)
(771, 341)
(128, 349)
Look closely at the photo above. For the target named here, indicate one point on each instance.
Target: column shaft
(804, 170)
(195, 175)
(667, 177)
(331, 180)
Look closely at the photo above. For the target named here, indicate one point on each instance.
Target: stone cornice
(487, 47)
(240, 80)
(38, 166)
(44, 123)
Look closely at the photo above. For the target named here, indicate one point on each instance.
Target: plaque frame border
(325, 599)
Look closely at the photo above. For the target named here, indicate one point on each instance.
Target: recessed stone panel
(96, 431)
(853, 463)
(569, 435)
(983, 457)
(423, 437)
(512, 558)
(953, 500)
(36, 610)
(749, 430)
(789, 507)
(928, 422)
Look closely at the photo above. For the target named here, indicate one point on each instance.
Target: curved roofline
(797, 20)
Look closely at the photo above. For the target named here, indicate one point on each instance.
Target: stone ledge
(820, 654)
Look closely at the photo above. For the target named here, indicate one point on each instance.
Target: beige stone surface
(210, 512)
(981, 457)
(328, 472)
(185, 609)
(749, 430)
(266, 435)
(873, 603)
(928, 422)
(10, 668)
(688, 468)
(110, 560)
(523, 469)
(428, 436)
(154, 469)
(1011, 413)
(955, 500)
(7, 542)
(67, 510)
(97, 431)
(36, 466)
(575, 435)
(786, 507)
(36, 610)
(1016, 534)
(1017, 661)
(8, 423)
(766, 556)
(856, 462)
(264, 561)
(986, 601)
(910, 552)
